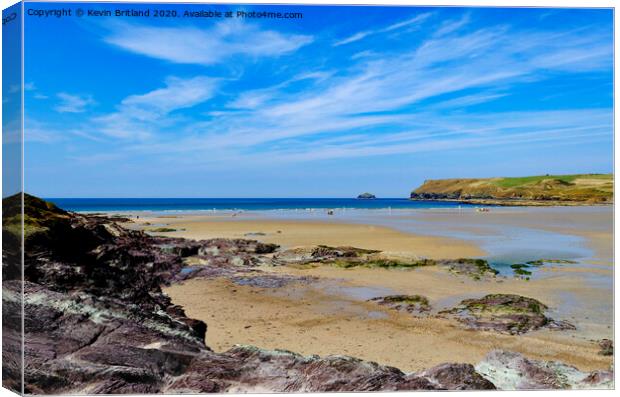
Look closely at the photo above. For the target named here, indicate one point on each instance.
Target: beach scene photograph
(294, 198)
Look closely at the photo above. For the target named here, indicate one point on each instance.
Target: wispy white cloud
(468, 100)
(138, 116)
(451, 26)
(442, 134)
(400, 99)
(37, 131)
(353, 38)
(192, 45)
(99, 158)
(260, 97)
(11, 131)
(363, 54)
(15, 88)
(178, 94)
(408, 22)
(463, 131)
(361, 35)
(374, 104)
(70, 103)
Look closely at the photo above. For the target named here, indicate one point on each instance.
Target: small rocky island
(367, 196)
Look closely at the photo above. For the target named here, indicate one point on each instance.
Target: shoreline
(470, 206)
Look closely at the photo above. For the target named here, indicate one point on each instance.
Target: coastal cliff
(579, 189)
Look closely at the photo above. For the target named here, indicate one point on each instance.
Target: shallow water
(362, 293)
(377, 315)
(189, 269)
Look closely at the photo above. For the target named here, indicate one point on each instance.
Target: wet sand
(332, 316)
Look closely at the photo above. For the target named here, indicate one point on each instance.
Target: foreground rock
(512, 371)
(513, 314)
(79, 344)
(458, 377)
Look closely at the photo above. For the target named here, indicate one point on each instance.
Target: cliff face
(583, 188)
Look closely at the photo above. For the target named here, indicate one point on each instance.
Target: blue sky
(345, 100)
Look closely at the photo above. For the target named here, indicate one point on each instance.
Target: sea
(241, 204)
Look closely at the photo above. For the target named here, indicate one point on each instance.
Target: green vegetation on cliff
(38, 215)
(580, 188)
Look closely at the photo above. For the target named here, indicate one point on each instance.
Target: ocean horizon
(242, 204)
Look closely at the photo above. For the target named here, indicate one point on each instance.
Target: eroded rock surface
(346, 257)
(478, 269)
(350, 257)
(458, 377)
(508, 313)
(409, 303)
(513, 371)
(607, 347)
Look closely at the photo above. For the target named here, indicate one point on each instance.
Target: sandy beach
(333, 315)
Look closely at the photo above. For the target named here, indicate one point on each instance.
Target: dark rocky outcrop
(520, 270)
(346, 257)
(350, 257)
(607, 347)
(477, 269)
(367, 196)
(513, 314)
(541, 262)
(96, 320)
